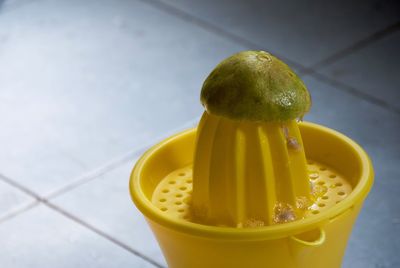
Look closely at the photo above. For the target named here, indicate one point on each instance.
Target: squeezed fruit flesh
(255, 86)
(328, 187)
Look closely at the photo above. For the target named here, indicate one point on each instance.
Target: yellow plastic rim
(262, 233)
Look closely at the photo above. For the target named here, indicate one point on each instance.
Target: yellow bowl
(317, 241)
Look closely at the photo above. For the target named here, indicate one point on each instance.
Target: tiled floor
(373, 69)
(86, 86)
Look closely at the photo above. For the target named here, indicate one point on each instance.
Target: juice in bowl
(253, 185)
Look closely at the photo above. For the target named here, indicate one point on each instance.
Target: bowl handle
(318, 233)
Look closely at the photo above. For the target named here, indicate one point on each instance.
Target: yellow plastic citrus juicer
(252, 186)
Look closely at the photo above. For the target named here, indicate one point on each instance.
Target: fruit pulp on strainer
(328, 187)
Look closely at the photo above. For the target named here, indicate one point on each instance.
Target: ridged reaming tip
(247, 173)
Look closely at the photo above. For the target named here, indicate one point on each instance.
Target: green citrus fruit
(255, 86)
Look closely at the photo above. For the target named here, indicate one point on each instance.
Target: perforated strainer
(173, 195)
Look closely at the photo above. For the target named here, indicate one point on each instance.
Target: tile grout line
(358, 45)
(20, 187)
(80, 222)
(39, 200)
(210, 27)
(100, 233)
(202, 23)
(93, 174)
(19, 210)
(355, 92)
(117, 161)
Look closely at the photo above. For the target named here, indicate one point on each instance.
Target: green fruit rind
(255, 86)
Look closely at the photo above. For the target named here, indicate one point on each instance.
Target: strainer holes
(186, 200)
(325, 197)
(181, 210)
(321, 182)
(315, 212)
(172, 182)
(165, 191)
(321, 205)
(178, 195)
(183, 188)
(341, 193)
(189, 181)
(337, 202)
(163, 200)
(338, 184)
(181, 174)
(178, 203)
(322, 168)
(332, 176)
(164, 209)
